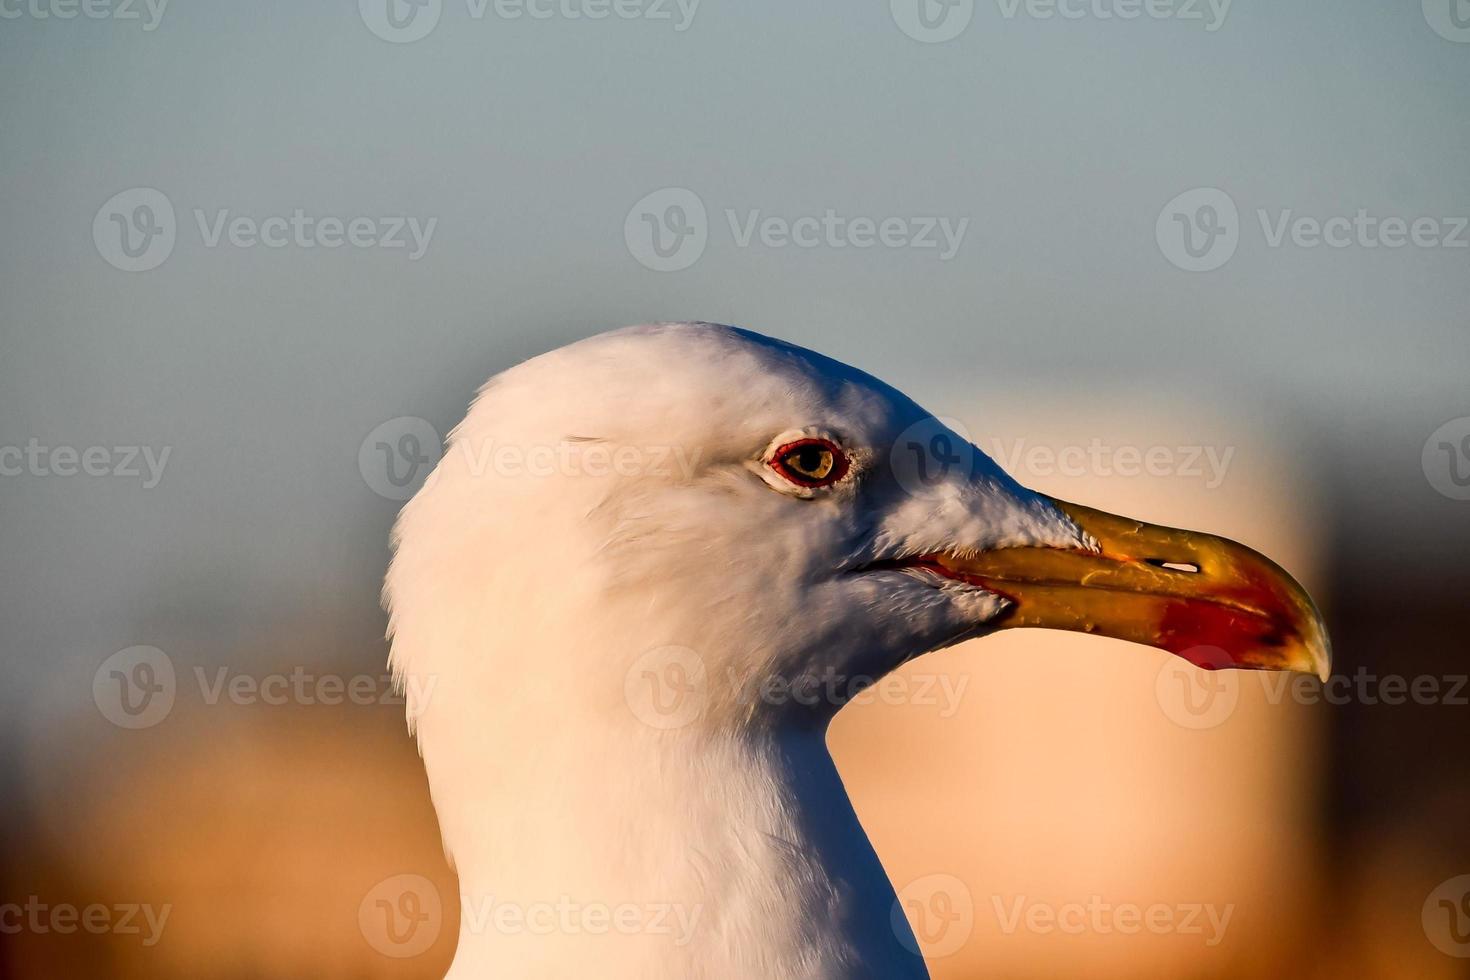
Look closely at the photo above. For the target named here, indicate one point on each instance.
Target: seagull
(646, 573)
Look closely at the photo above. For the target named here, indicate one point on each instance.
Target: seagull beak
(1210, 600)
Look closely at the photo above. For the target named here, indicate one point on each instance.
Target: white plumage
(607, 518)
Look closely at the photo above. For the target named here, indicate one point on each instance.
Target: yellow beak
(1208, 599)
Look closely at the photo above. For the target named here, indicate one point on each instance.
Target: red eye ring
(811, 462)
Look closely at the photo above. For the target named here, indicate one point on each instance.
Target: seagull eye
(810, 462)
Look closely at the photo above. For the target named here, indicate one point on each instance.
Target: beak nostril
(1178, 566)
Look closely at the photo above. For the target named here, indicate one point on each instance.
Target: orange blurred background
(1071, 774)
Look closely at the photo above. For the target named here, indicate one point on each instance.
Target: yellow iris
(811, 461)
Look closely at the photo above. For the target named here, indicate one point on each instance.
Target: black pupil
(809, 459)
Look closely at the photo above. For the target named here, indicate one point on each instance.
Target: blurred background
(1201, 263)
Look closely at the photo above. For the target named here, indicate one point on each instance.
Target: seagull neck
(739, 849)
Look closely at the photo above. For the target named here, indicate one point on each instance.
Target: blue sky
(528, 141)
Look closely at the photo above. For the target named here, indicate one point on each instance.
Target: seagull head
(779, 529)
(648, 570)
